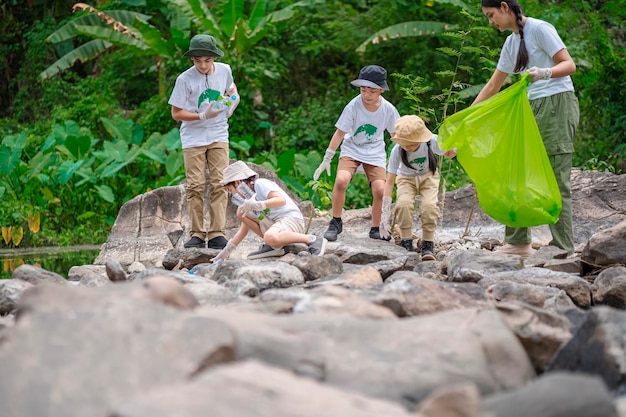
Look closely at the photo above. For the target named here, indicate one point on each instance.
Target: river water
(54, 259)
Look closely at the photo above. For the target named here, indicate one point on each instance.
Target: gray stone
(555, 395)
(78, 351)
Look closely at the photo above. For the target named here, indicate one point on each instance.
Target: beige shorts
(372, 171)
(289, 224)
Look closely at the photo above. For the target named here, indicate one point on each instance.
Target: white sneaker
(266, 251)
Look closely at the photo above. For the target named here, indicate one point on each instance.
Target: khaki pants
(557, 118)
(427, 186)
(215, 157)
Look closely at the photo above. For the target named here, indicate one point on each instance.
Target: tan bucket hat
(411, 130)
(238, 170)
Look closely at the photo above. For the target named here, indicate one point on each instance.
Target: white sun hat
(238, 170)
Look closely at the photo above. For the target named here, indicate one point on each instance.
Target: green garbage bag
(500, 148)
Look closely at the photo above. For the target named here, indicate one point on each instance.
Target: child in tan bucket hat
(285, 225)
(413, 165)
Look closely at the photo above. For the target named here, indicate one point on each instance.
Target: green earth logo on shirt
(209, 95)
(422, 163)
(366, 130)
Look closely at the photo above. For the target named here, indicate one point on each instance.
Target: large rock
(252, 388)
(607, 247)
(399, 360)
(76, 352)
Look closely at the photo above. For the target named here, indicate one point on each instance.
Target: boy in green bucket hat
(204, 137)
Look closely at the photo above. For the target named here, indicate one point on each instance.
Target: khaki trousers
(557, 117)
(197, 160)
(427, 186)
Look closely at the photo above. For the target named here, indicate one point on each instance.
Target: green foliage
(433, 104)
(76, 179)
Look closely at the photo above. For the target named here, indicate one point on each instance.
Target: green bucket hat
(203, 45)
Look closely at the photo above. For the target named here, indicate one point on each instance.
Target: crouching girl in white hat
(269, 201)
(413, 165)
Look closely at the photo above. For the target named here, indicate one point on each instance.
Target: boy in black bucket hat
(204, 137)
(360, 131)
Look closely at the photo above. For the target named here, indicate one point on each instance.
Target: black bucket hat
(203, 45)
(373, 76)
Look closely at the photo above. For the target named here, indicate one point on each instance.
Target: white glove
(539, 73)
(325, 165)
(385, 220)
(252, 204)
(211, 112)
(225, 253)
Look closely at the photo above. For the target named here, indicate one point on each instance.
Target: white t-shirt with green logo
(193, 92)
(365, 140)
(263, 187)
(418, 159)
(542, 43)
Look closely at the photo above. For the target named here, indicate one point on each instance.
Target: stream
(53, 259)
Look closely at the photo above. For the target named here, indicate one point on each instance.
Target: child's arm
(232, 244)
(335, 141)
(274, 200)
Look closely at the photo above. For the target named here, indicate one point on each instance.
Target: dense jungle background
(85, 125)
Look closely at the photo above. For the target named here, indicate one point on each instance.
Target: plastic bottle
(239, 200)
(247, 194)
(225, 101)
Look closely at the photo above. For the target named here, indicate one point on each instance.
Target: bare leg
(339, 192)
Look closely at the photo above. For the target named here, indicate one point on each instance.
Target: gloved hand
(252, 204)
(325, 165)
(539, 73)
(385, 220)
(225, 253)
(211, 112)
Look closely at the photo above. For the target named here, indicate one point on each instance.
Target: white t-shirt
(418, 159)
(263, 187)
(193, 92)
(542, 43)
(365, 131)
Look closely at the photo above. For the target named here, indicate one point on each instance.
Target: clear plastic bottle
(247, 194)
(245, 191)
(225, 101)
(239, 200)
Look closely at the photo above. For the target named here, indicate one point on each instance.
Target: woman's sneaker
(266, 251)
(522, 249)
(318, 246)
